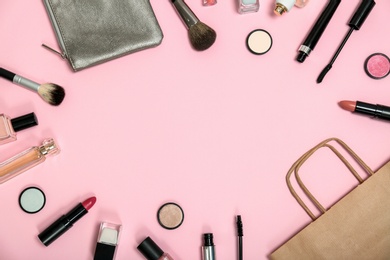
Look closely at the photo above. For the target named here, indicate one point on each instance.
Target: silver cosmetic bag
(90, 32)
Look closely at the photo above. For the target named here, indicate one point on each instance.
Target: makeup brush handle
(188, 17)
(7, 74)
(19, 80)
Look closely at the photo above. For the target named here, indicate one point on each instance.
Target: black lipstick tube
(316, 32)
(61, 225)
(378, 111)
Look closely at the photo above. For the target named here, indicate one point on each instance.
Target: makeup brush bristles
(201, 36)
(51, 93)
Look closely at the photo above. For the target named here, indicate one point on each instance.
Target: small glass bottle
(151, 251)
(209, 2)
(9, 127)
(282, 6)
(27, 159)
(248, 6)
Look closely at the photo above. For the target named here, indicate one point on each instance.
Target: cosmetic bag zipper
(63, 55)
(57, 32)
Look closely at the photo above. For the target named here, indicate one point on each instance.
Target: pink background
(214, 131)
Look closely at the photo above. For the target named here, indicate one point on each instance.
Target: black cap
(150, 250)
(23, 122)
(208, 239)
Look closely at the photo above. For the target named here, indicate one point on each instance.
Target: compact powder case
(377, 66)
(259, 42)
(32, 200)
(170, 215)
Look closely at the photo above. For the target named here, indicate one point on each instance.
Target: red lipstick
(65, 222)
(378, 111)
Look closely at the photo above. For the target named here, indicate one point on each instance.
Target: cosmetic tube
(318, 29)
(9, 127)
(282, 6)
(151, 251)
(65, 222)
(208, 252)
(27, 159)
(248, 6)
(107, 241)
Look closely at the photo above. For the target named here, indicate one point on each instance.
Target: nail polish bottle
(151, 251)
(248, 6)
(209, 2)
(9, 127)
(282, 6)
(27, 159)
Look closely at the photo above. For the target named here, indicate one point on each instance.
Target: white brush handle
(19, 80)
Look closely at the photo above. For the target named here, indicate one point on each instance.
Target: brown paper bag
(356, 227)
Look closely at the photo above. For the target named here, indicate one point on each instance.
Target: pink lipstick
(377, 111)
(65, 222)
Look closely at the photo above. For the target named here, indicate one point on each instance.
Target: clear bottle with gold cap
(282, 6)
(27, 159)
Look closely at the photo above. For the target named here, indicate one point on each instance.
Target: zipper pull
(63, 55)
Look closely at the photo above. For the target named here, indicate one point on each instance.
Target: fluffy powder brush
(200, 34)
(51, 93)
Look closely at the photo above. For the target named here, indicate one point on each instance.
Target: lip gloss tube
(27, 159)
(65, 222)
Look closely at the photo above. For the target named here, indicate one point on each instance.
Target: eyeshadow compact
(259, 41)
(377, 66)
(170, 215)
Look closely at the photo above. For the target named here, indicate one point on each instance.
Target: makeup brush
(51, 93)
(200, 34)
(356, 22)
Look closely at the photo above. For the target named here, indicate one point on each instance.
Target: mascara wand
(356, 22)
(240, 234)
(49, 92)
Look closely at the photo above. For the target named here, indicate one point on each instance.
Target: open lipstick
(61, 225)
(377, 111)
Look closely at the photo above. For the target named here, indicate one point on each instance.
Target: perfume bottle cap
(49, 147)
(150, 250)
(23, 122)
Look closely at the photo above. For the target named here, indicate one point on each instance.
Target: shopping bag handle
(297, 165)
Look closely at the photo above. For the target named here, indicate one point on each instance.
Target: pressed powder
(32, 200)
(259, 42)
(170, 215)
(377, 66)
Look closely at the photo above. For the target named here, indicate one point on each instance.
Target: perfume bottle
(151, 251)
(27, 159)
(283, 6)
(9, 127)
(209, 2)
(248, 6)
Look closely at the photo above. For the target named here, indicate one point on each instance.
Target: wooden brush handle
(7, 74)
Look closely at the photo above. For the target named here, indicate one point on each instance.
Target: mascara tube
(317, 30)
(208, 252)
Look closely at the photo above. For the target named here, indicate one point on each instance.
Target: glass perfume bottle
(27, 159)
(248, 6)
(282, 6)
(209, 2)
(9, 127)
(151, 251)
